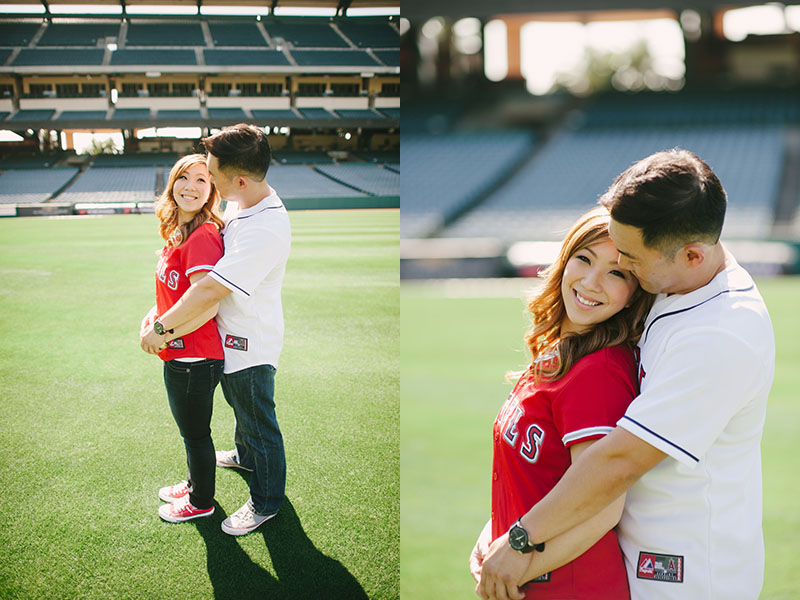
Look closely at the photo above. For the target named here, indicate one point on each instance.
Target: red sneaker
(182, 510)
(173, 493)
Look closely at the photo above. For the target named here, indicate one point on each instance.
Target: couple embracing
(627, 458)
(218, 318)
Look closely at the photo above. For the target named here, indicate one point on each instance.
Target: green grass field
(454, 355)
(87, 437)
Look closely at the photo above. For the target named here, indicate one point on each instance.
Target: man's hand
(502, 569)
(150, 341)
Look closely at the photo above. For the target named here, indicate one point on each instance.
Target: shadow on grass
(301, 571)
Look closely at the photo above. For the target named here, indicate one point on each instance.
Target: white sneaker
(173, 493)
(230, 459)
(244, 520)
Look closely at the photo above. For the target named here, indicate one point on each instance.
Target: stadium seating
(333, 58)
(369, 35)
(299, 181)
(371, 179)
(81, 115)
(112, 184)
(231, 114)
(175, 33)
(235, 34)
(288, 157)
(391, 58)
(266, 116)
(392, 113)
(35, 57)
(316, 113)
(26, 186)
(130, 113)
(179, 114)
(18, 33)
(305, 33)
(452, 171)
(61, 33)
(32, 115)
(569, 174)
(153, 159)
(245, 58)
(153, 57)
(362, 113)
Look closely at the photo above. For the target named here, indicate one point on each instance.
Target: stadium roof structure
(341, 6)
(206, 45)
(421, 10)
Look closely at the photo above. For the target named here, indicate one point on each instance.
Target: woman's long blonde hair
(167, 208)
(547, 310)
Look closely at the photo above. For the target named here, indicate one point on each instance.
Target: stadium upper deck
(71, 72)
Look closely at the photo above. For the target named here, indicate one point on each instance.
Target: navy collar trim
(676, 312)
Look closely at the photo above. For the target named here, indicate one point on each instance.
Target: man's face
(224, 184)
(656, 273)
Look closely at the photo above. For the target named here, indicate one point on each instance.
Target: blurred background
(517, 116)
(515, 122)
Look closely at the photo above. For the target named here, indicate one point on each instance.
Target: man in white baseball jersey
(688, 448)
(246, 282)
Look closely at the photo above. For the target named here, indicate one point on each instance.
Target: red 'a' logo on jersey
(637, 353)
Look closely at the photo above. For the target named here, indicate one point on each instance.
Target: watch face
(517, 538)
(158, 328)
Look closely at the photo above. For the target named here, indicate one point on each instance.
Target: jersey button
(495, 476)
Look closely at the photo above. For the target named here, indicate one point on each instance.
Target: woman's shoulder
(621, 356)
(207, 232)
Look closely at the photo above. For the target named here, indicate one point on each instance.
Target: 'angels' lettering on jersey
(171, 278)
(509, 418)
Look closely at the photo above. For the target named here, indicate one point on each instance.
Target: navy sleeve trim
(661, 437)
(230, 282)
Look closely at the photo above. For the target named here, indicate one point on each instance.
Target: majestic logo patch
(236, 343)
(176, 344)
(540, 579)
(660, 567)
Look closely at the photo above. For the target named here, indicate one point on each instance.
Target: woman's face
(191, 191)
(594, 287)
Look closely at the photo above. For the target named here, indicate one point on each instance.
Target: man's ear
(693, 254)
(241, 183)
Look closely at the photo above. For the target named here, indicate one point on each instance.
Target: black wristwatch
(159, 328)
(518, 540)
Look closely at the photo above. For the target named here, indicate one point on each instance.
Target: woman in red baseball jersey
(587, 317)
(192, 355)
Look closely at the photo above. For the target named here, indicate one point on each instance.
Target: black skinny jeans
(190, 389)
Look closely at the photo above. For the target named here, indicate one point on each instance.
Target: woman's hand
(479, 552)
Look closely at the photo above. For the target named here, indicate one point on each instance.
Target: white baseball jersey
(250, 320)
(692, 525)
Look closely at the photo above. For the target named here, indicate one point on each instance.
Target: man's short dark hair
(673, 197)
(241, 148)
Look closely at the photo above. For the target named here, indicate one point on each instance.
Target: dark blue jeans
(190, 389)
(258, 438)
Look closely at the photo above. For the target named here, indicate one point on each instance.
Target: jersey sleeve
(601, 387)
(202, 250)
(249, 260)
(692, 394)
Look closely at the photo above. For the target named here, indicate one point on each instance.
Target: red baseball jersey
(198, 253)
(532, 435)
